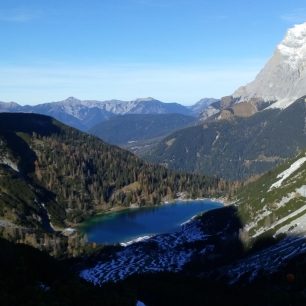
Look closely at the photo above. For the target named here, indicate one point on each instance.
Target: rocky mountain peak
(148, 99)
(293, 47)
(283, 79)
(70, 100)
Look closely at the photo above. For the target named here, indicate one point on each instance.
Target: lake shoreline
(181, 219)
(221, 200)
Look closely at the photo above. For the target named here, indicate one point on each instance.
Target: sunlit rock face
(283, 79)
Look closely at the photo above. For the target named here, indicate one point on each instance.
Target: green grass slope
(275, 203)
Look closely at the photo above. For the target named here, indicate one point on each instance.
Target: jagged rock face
(283, 79)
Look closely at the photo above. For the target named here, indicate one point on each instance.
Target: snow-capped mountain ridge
(84, 114)
(283, 79)
(141, 105)
(293, 47)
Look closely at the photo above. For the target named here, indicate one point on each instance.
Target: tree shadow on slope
(24, 280)
(29, 277)
(19, 122)
(270, 272)
(17, 129)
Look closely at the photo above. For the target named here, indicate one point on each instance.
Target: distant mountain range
(85, 114)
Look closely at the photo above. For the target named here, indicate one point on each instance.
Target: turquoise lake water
(130, 224)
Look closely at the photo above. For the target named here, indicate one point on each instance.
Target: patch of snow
(264, 212)
(189, 220)
(216, 139)
(10, 163)
(6, 223)
(296, 226)
(165, 252)
(286, 199)
(293, 47)
(68, 231)
(280, 221)
(268, 260)
(139, 239)
(302, 191)
(283, 103)
(285, 174)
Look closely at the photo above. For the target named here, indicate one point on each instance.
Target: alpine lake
(129, 224)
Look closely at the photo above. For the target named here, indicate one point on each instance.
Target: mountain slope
(242, 245)
(236, 148)
(275, 203)
(202, 105)
(130, 129)
(72, 112)
(153, 106)
(29, 277)
(265, 232)
(84, 114)
(283, 79)
(53, 176)
(273, 214)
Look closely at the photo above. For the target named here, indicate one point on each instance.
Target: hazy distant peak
(72, 99)
(148, 99)
(205, 102)
(9, 104)
(202, 105)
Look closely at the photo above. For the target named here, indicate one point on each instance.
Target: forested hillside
(53, 176)
(122, 130)
(236, 148)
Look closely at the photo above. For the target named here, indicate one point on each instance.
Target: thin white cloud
(295, 16)
(18, 15)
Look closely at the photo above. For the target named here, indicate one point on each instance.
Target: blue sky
(173, 50)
